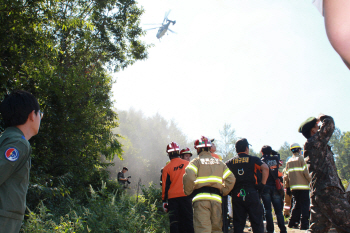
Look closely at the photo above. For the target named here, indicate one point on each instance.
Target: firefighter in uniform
(186, 154)
(207, 179)
(245, 196)
(298, 181)
(213, 149)
(175, 201)
(22, 116)
(287, 197)
(329, 203)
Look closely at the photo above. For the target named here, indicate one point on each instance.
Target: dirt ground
(289, 230)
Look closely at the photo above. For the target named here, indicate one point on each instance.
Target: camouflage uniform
(329, 203)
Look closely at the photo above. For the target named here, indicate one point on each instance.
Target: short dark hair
(174, 154)
(266, 150)
(16, 107)
(125, 168)
(200, 149)
(307, 134)
(241, 145)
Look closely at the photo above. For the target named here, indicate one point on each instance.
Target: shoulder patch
(12, 154)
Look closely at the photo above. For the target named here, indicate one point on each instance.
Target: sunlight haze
(261, 66)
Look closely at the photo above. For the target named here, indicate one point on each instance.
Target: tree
(144, 145)
(340, 143)
(61, 52)
(285, 154)
(227, 142)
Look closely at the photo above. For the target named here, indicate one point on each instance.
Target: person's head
(213, 146)
(309, 127)
(202, 144)
(266, 150)
(19, 109)
(173, 150)
(242, 145)
(295, 148)
(17, 106)
(125, 169)
(186, 154)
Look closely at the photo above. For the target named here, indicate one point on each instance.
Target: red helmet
(171, 147)
(185, 151)
(203, 142)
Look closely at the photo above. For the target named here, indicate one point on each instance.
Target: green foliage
(340, 143)
(285, 153)
(144, 145)
(106, 210)
(60, 52)
(42, 222)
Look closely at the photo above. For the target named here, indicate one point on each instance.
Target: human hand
(165, 207)
(260, 187)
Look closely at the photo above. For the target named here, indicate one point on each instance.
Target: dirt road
(289, 230)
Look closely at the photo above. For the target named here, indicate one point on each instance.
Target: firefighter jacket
(287, 198)
(208, 174)
(172, 174)
(15, 165)
(297, 176)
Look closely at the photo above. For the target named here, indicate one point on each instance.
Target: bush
(106, 210)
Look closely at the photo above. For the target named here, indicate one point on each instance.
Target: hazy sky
(261, 66)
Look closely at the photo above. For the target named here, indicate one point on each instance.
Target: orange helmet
(203, 142)
(171, 147)
(185, 151)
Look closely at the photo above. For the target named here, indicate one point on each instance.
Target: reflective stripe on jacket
(207, 171)
(296, 174)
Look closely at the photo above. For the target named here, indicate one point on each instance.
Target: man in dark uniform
(329, 204)
(270, 194)
(22, 116)
(121, 178)
(245, 196)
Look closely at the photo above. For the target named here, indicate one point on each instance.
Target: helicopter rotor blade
(151, 28)
(152, 24)
(166, 16)
(172, 31)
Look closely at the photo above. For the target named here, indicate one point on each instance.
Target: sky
(262, 66)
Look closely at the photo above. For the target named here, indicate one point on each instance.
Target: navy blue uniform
(245, 197)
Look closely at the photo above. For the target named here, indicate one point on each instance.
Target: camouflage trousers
(10, 225)
(330, 207)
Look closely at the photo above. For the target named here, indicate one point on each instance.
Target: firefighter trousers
(181, 215)
(207, 216)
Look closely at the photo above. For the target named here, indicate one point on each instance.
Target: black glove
(289, 192)
(273, 152)
(260, 187)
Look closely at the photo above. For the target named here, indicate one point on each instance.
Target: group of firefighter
(194, 192)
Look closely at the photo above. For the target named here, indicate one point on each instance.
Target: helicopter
(164, 26)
